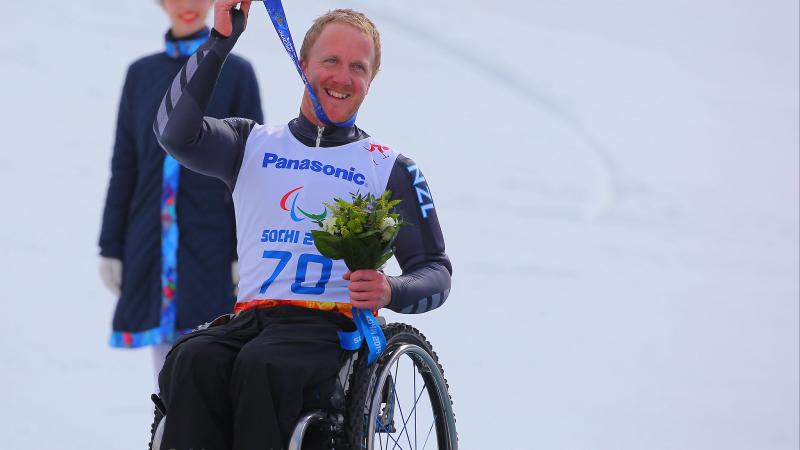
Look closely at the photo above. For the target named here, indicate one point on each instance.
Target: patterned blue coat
(131, 228)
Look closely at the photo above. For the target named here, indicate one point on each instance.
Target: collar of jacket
(185, 46)
(331, 136)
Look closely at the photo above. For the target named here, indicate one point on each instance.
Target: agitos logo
(294, 193)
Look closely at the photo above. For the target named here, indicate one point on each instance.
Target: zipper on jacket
(319, 135)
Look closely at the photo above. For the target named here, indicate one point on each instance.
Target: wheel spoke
(414, 410)
(378, 422)
(387, 409)
(387, 440)
(429, 432)
(414, 377)
(400, 406)
(387, 433)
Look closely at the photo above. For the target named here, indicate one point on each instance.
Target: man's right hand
(111, 274)
(227, 19)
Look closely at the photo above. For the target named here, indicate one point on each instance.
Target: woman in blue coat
(168, 240)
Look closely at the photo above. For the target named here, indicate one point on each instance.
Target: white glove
(111, 274)
(235, 277)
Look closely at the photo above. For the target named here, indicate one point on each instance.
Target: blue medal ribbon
(278, 17)
(367, 327)
(351, 340)
(367, 330)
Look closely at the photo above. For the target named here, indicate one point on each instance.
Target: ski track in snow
(505, 77)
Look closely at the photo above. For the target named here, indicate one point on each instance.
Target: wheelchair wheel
(157, 428)
(402, 399)
(156, 431)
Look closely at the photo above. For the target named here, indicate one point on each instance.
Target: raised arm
(419, 248)
(206, 145)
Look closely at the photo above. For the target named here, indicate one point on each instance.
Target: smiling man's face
(339, 67)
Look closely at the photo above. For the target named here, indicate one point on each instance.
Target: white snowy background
(617, 182)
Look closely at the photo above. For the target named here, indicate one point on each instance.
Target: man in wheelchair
(241, 384)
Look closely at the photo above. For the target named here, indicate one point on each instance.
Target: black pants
(241, 385)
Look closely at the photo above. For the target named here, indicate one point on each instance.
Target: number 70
(303, 260)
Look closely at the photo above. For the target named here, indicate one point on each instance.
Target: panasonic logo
(314, 166)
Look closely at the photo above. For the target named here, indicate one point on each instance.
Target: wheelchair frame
(373, 414)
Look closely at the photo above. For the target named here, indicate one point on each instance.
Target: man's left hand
(369, 289)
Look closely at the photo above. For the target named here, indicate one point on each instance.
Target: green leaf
(357, 253)
(383, 259)
(364, 252)
(327, 244)
(348, 254)
(366, 234)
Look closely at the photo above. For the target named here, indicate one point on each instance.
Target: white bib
(280, 191)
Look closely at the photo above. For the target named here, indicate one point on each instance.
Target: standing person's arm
(206, 145)
(124, 171)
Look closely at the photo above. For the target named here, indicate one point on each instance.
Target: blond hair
(349, 17)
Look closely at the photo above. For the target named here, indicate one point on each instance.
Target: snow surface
(617, 182)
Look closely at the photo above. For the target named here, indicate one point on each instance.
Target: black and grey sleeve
(419, 248)
(206, 145)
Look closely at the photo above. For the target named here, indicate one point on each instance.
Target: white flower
(388, 222)
(329, 225)
(387, 235)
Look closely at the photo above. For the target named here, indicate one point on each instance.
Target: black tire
(157, 417)
(365, 380)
